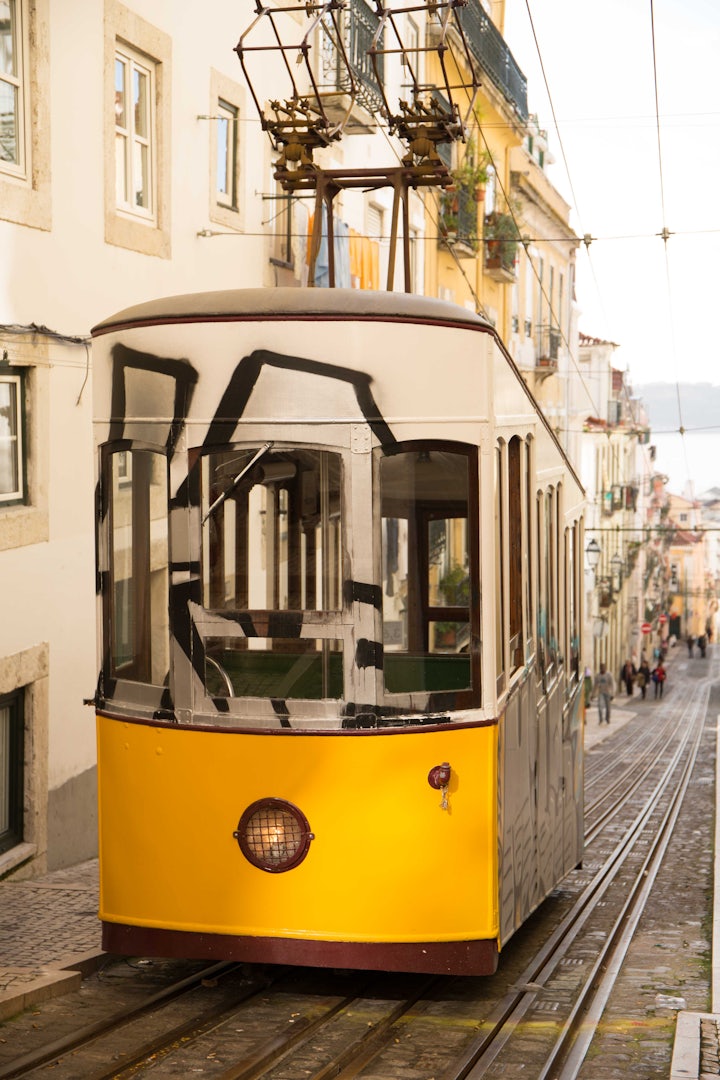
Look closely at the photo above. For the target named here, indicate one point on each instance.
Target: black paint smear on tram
(281, 710)
(242, 383)
(180, 370)
(363, 592)
(230, 409)
(369, 654)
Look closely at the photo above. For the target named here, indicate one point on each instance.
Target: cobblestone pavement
(49, 935)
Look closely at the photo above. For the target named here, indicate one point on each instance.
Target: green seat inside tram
(405, 673)
(261, 673)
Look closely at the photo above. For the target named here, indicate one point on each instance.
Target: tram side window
(427, 575)
(272, 544)
(515, 553)
(137, 603)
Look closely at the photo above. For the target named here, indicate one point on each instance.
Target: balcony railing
(358, 26)
(491, 52)
(458, 220)
(548, 344)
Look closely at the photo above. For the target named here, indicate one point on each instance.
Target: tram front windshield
(272, 549)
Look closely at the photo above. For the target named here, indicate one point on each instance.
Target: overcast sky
(598, 63)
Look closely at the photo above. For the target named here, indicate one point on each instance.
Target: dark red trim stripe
(479, 957)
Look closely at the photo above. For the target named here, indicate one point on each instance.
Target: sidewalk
(49, 935)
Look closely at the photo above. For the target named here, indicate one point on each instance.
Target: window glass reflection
(426, 570)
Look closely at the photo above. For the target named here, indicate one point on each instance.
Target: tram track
(348, 1025)
(641, 757)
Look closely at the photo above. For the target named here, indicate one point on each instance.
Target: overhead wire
(587, 239)
(665, 235)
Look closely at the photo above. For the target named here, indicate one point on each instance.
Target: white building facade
(126, 137)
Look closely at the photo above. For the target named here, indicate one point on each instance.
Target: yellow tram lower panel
(387, 863)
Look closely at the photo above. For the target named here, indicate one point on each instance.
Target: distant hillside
(699, 402)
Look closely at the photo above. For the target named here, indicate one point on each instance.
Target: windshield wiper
(226, 494)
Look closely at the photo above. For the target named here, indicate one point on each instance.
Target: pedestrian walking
(690, 642)
(702, 645)
(643, 677)
(604, 690)
(658, 677)
(587, 686)
(628, 673)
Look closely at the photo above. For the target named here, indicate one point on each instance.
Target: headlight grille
(273, 835)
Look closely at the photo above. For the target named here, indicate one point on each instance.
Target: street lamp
(616, 565)
(592, 554)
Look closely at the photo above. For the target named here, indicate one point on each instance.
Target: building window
(137, 98)
(226, 108)
(12, 741)
(226, 182)
(134, 133)
(12, 465)
(12, 88)
(25, 94)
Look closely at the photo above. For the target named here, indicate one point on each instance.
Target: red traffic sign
(662, 620)
(646, 627)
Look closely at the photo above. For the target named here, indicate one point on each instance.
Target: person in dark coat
(643, 677)
(627, 676)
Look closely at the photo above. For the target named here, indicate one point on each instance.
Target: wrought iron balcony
(547, 339)
(458, 221)
(500, 236)
(358, 25)
(491, 52)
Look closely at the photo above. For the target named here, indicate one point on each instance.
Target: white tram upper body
(339, 713)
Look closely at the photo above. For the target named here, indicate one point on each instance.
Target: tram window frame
(551, 579)
(529, 550)
(136, 620)
(515, 553)
(541, 614)
(500, 503)
(413, 657)
(273, 523)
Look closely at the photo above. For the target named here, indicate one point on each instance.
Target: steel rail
(590, 1004)
(505, 1018)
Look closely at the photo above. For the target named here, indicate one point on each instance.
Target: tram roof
(300, 303)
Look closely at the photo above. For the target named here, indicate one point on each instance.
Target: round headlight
(273, 835)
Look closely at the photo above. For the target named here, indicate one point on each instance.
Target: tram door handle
(439, 778)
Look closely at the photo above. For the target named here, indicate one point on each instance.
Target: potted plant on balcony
(449, 210)
(501, 239)
(472, 172)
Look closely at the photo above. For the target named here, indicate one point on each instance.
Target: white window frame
(135, 139)
(126, 226)
(13, 439)
(226, 175)
(16, 80)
